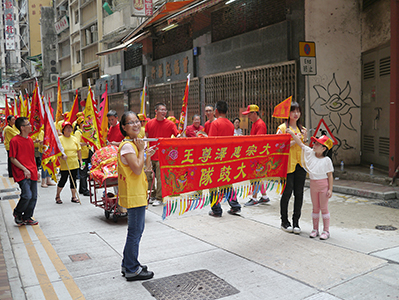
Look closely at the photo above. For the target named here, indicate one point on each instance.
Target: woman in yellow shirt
(296, 175)
(133, 185)
(69, 163)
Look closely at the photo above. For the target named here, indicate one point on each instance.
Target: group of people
(134, 155)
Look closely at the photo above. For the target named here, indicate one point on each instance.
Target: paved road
(75, 252)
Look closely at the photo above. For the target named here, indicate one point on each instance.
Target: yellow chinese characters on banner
(193, 164)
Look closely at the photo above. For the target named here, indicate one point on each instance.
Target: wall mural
(335, 106)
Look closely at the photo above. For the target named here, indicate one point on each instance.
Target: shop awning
(80, 72)
(164, 11)
(200, 6)
(124, 45)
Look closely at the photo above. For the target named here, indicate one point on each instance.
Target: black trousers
(64, 178)
(295, 183)
(9, 164)
(83, 177)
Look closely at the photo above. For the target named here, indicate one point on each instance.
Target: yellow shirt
(132, 187)
(71, 147)
(9, 133)
(58, 125)
(142, 133)
(85, 149)
(294, 157)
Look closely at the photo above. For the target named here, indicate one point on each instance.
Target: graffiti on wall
(336, 107)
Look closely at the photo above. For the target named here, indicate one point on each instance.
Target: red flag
(283, 109)
(51, 109)
(34, 118)
(52, 147)
(71, 116)
(103, 117)
(183, 114)
(7, 110)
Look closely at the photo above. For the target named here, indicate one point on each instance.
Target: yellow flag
(90, 129)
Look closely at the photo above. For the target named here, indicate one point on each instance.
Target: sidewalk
(75, 252)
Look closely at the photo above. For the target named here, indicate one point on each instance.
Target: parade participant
(237, 130)
(174, 120)
(157, 128)
(132, 184)
(223, 127)
(258, 127)
(46, 178)
(69, 163)
(22, 155)
(320, 169)
(115, 136)
(191, 131)
(85, 158)
(78, 115)
(58, 125)
(9, 132)
(210, 114)
(296, 175)
(143, 122)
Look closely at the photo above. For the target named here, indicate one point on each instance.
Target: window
(76, 16)
(114, 59)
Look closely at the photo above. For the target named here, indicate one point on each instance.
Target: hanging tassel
(278, 188)
(164, 212)
(283, 188)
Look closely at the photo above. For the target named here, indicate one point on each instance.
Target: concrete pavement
(75, 252)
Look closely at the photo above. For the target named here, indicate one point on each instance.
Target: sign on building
(142, 8)
(61, 25)
(307, 53)
(9, 24)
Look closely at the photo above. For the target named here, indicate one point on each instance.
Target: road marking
(41, 274)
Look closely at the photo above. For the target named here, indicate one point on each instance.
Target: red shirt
(207, 126)
(24, 151)
(221, 127)
(259, 127)
(115, 134)
(158, 129)
(191, 131)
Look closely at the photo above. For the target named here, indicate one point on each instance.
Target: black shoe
(18, 219)
(286, 227)
(143, 275)
(212, 214)
(234, 211)
(87, 194)
(144, 267)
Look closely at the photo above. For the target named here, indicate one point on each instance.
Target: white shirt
(316, 167)
(126, 148)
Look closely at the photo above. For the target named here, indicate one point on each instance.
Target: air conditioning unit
(53, 77)
(93, 28)
(53, 47)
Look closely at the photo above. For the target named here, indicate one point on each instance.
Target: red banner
(192, 164)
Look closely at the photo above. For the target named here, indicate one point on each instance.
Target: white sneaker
(297, 230)
(156, 203)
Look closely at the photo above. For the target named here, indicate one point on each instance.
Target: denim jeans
(27, 202)
(136, 221)
(295, 183)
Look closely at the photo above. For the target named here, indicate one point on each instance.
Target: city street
(75, 252)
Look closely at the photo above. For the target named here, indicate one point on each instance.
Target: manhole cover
(79, 257)
(385, 227)
(196, 285)
(389, 203)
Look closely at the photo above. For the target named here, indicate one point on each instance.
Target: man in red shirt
(258, 127)
(115, 135)
(24, 170)
(157, 128)
(223, 127)
(191, 131)
(210, 114)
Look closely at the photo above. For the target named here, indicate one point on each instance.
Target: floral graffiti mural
(335, 106)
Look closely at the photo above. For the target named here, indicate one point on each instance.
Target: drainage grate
(196, 285)
(385, 227)
(79, 257)
(389, 203)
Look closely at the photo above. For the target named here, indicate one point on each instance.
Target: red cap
(66, 123)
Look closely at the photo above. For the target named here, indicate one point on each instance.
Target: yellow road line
(41, 273)
(69, 283)
(5, 182)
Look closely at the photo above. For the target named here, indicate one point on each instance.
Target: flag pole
(73, 182)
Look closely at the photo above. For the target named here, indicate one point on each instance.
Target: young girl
(296, 175)
(320, 169)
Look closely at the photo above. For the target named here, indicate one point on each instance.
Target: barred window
(246, 15)
(133, 56)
